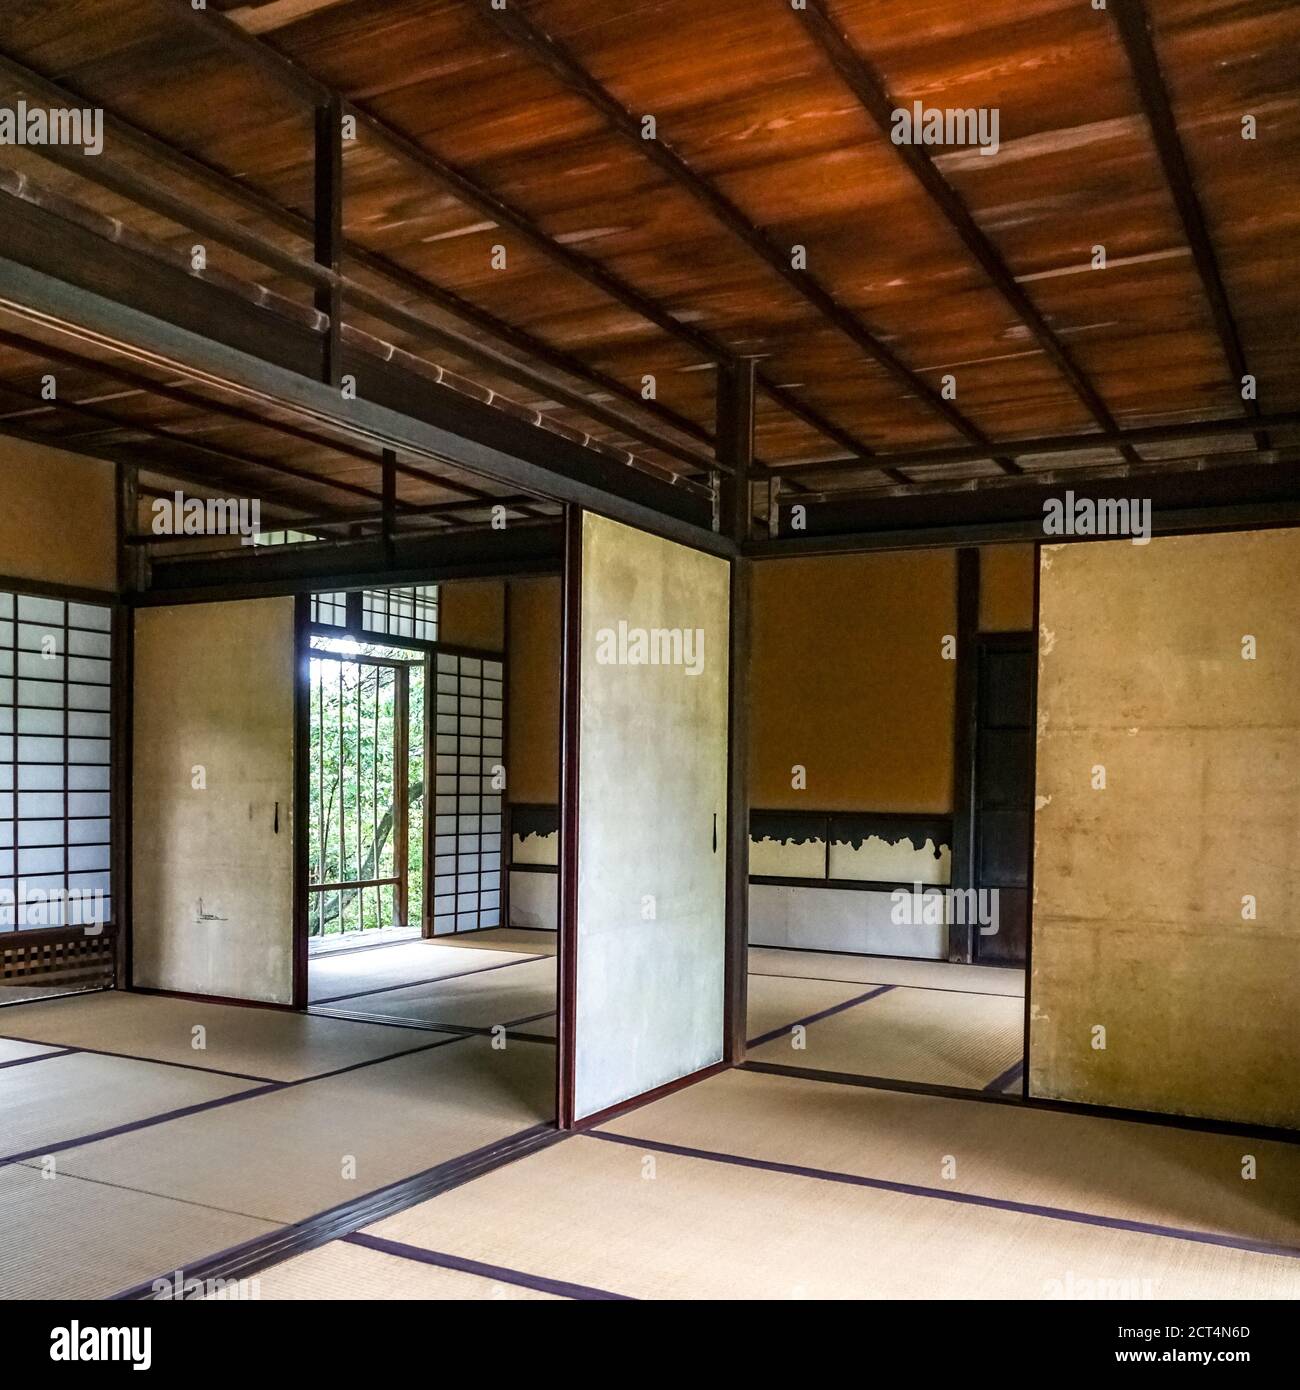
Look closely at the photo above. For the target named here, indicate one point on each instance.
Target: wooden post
(735, 446)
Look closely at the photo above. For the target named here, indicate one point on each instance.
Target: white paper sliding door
(651, 814)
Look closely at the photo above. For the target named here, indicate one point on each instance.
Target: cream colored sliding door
(652, 810)
(212, 792)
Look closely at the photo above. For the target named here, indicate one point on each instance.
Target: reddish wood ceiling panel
(742, 92)
(838, 187)
(1224, 61)
(781, 437)
(146, 59)
(819, 368)
(1077, 168)
(587, 186)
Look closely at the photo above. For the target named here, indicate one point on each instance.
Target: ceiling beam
(133, 381)
(1183, 499)
(394, 409)
(535, 548)
(150, 195)
(326, 521)
(1071, 474)
(73, 255)
(865, 83)
(282, 69)
(105, 420)
(1136, 436)
(565, 67)
(1134, 25)
(286, 512)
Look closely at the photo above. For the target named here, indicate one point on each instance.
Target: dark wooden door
(1004, 790)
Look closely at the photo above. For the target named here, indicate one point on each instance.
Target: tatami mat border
(432, 980)
(247, 1258)
(561, 1288)
(1083, 1218)
(773, 1033)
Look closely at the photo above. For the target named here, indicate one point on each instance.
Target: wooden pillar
(735, 447)
(389, 504)
(570, 725)
(329, 229)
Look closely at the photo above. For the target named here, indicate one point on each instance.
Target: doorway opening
(890, 884)
(405, 823)
(366, 796)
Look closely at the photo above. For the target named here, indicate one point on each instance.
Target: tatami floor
(143, 1134)
(752, 1185)
(929, 1022)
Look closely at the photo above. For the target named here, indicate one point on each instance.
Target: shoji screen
(469, 748)
(652, 811)
(55, 684)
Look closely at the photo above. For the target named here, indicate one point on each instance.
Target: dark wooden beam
(328, 227)
(324, 522)
(144, 385)
(104, 420)
(735, 447)
(566, 68)
(532, 548)
(735, 434)
(1136, 436)
(867, 86)
(497, 362)
(132, 569)
(190, 167)
(389, 515)
(1134, 25)
(1195, 499)
(394, 408)
(187, 214)
(1069, 474)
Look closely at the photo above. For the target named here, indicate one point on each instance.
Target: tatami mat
(481, 1000)
(1113, 1168)
(780, 1002)
(965, 1040)
(269, 1043)
(343, 1271)
(381, 967)
(617, 1218)
(11, 1051)
(886, 970)
(67, 1238)
(288, 1154)
(531, 941)
(79, 1093)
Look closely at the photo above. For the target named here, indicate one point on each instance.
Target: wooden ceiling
(627, 258)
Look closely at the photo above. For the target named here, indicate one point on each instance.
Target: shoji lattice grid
(402, 612)
(468, 732)
(330, 609)
(55, 694)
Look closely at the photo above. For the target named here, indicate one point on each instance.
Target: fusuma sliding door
(645, 911)
(212, 788)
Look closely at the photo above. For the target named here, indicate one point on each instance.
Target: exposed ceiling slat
(1134, 27)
